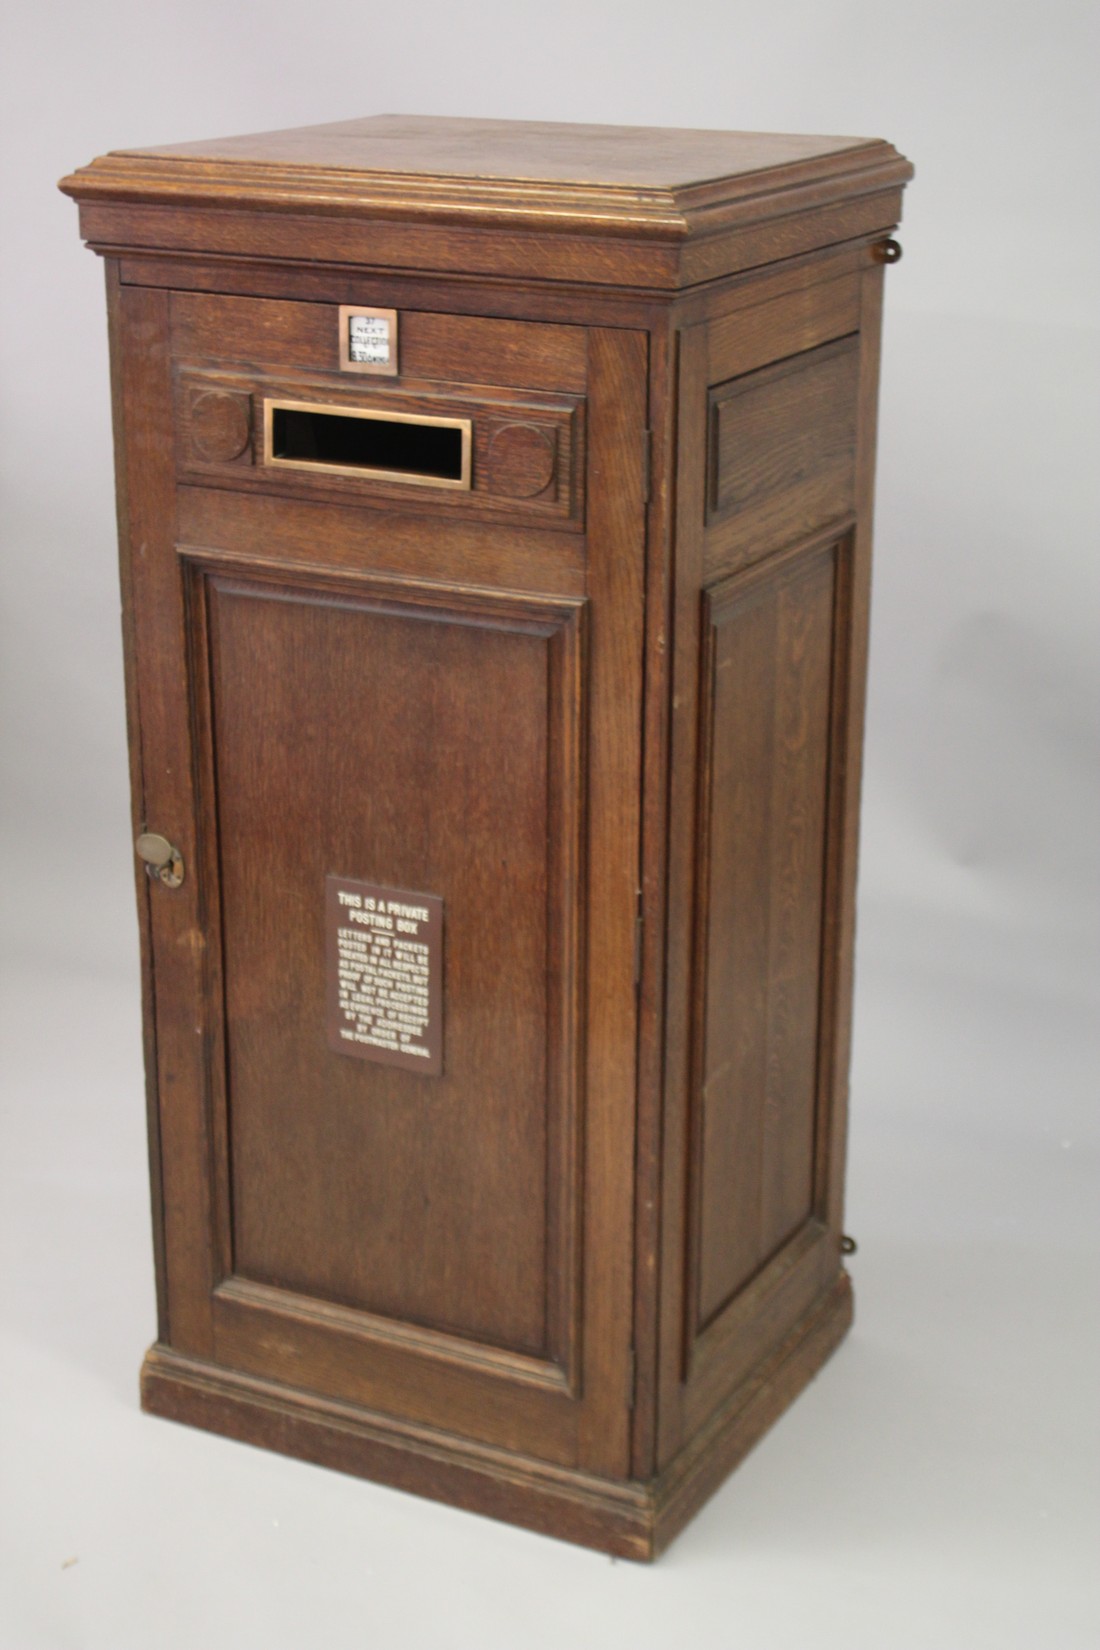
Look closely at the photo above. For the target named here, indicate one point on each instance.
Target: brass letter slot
(388, 446)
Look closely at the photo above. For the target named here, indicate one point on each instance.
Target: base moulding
(630, 1519)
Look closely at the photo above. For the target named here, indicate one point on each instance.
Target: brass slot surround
(462, 482)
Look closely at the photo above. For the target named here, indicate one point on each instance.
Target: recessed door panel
(418, 750)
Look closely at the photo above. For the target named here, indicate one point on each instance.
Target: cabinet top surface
(642, 157)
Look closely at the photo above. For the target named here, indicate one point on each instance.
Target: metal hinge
(639, 931)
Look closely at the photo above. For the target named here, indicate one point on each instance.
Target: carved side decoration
(522, 460)
(219, 425)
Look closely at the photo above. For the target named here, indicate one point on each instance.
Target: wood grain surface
(605, 704)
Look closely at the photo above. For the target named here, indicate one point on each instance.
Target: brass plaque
(384, 966)
(368, 340)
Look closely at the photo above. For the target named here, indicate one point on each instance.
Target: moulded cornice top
(611, 180)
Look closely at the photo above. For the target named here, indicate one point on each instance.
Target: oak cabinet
(495, 528)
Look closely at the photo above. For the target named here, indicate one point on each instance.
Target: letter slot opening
(386, 446)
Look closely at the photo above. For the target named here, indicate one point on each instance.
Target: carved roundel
(521, 460)
(220, 425)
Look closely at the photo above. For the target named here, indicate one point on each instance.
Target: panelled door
(388, 682)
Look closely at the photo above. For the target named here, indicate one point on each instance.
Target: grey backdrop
(936, 1486)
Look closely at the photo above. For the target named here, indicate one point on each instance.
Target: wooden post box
(496, 532)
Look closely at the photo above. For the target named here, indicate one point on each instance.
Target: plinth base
(629, 1519)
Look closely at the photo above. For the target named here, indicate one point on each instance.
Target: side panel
(772, 570)
(767, 668)
(782, 443)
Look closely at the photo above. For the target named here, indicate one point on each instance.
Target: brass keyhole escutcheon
(161, 859)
